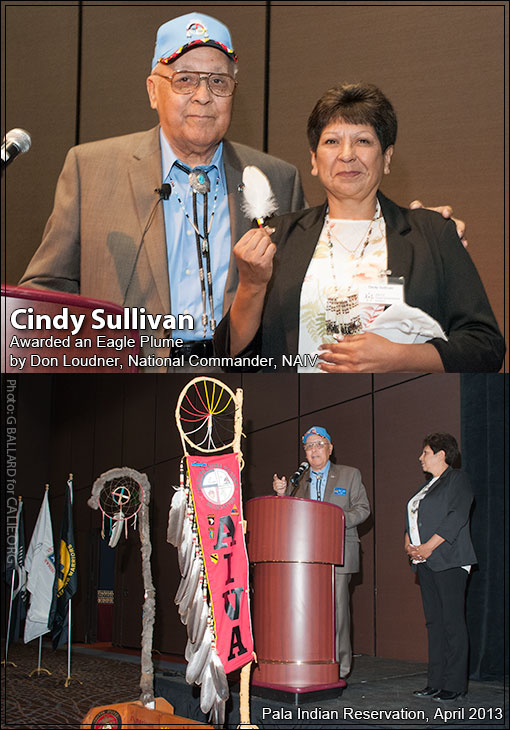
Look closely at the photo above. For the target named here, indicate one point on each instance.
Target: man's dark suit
(345, 489)
(445, 511)
(103, 200)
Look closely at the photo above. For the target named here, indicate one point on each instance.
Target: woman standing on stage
(438, 543)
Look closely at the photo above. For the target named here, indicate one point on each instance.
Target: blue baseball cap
(317, 431)
(191, 31)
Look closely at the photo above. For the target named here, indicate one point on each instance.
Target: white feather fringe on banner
(204, 665)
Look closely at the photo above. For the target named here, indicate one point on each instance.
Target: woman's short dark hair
(356, 104)
(443, 442)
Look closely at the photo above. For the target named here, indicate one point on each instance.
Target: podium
(56, 349)
(293, 546)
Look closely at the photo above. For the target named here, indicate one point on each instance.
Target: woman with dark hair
(438, 543)
(366, 284)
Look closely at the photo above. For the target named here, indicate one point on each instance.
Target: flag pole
(69, 679)
(6, 663)
(40, 670)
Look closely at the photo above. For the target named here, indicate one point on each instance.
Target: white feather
(218, 675)
(117, 529)
(199, 659)
(259, 202)
(176, 517)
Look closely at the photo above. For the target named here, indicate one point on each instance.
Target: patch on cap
(191, 31)
(317, 431)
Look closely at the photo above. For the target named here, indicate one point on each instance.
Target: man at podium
(341, 485)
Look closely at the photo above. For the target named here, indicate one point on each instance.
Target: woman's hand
(423, 552)
(371, 353)
(254, 254)
(359, 353)
(420, 552)
(410, 551)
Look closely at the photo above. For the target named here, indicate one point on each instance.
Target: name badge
(373, 292)
(340, 490)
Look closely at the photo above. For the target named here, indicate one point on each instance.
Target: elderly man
(340, 485)
(109, 238)
(105, 202)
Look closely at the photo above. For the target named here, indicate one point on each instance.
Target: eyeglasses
(186, 82)
(316, 445)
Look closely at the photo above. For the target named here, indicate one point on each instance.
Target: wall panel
(139, 422)
(40, 71)
(268, 399)
(109, 423)
(316, 393)
(271, 450)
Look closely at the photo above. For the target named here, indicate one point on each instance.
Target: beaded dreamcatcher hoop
(120, 500)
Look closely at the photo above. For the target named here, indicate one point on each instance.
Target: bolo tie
(318, 484)
(201, 185)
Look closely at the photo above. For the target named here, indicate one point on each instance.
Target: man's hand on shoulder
(447, 212)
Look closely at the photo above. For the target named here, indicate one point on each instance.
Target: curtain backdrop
(484, 419)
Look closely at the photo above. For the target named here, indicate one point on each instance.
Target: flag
(15, 568)
(40, 566)
(66, 579)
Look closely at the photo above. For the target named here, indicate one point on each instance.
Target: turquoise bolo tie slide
(199, 181)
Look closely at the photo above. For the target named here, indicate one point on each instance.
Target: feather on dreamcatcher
(205, 512)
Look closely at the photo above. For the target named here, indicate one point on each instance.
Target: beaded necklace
(342, 310)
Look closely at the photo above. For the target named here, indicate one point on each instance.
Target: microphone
(295, 477)
(301, 470)
(164, 193)
(15, 143)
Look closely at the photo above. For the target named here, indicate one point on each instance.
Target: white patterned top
(329, 295)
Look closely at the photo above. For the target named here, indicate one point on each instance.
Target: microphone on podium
(296, 476)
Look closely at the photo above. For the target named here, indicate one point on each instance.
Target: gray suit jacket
(354, 504)
(103, 200)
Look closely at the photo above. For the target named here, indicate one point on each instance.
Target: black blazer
(424, 248)
(445, 511)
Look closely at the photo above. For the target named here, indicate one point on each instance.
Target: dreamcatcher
(205, 524)
(120, 501)
(123, 496)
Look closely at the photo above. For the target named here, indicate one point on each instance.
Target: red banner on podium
(216, 488)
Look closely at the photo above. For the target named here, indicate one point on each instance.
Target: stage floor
(380, 689)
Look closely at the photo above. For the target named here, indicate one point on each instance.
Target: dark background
(89, 424)
(75, 72)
